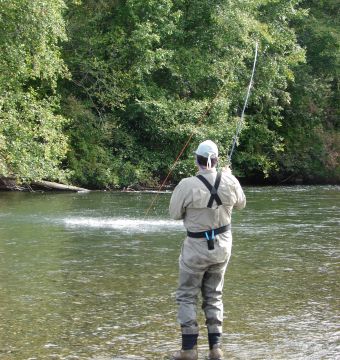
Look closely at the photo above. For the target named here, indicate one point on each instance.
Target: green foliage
(137, 78)
(88, 157)
(31, 31)
(311, 128)
(154, 72)
(32, 143)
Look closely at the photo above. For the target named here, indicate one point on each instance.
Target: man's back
(191, 197)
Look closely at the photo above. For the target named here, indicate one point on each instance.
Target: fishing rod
(240, 122)
(235, 138)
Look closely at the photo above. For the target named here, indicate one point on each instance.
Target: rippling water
(134, 225)
(88, 276)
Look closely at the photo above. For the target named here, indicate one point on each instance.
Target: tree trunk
(8, 183)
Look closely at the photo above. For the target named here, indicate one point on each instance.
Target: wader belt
(209, 235)
(212, 189)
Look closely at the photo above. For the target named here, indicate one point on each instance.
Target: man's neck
(204, 170)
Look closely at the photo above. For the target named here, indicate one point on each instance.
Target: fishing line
(238, 129)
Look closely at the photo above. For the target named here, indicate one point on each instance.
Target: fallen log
(49, 185)
(11, 184)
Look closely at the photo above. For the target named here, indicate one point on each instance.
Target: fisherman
(205, 204)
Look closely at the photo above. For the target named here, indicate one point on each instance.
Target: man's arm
(240, 197)
(176, 208)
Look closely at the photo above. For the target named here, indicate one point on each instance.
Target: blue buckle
(212, 237)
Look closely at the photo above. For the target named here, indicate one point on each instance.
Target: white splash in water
(127, 225)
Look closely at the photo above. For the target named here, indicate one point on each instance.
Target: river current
(89, 276)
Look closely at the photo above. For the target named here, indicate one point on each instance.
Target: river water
(88, 276)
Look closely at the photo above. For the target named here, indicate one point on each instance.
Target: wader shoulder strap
(212, 189)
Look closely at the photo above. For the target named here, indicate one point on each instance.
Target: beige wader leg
(187, 295)
(212, 286)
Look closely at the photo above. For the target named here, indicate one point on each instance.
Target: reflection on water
(87, 276)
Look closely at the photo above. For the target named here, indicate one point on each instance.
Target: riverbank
(10, 184)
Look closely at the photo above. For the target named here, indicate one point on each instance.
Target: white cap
(207, 149)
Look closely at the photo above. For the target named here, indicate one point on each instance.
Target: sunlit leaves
(32, 143)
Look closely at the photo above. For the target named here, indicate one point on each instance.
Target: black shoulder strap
(212, 189)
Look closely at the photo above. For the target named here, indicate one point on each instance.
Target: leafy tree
(146, 75)
(153, 72)
(311, 128)
(32, 143)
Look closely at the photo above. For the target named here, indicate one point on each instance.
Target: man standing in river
(205, 204)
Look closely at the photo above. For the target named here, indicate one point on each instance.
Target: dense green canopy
(106, 93)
